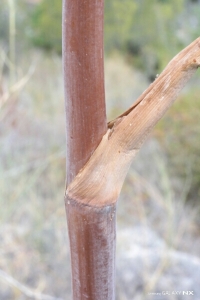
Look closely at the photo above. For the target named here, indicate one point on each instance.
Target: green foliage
(46, 25)
(149, 33)
(118, 22)
(3, 21)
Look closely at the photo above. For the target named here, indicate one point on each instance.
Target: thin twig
(16, 87)
(24, 289)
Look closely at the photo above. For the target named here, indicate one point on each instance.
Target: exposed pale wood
(99, 182)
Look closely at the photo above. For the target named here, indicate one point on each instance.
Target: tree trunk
(84, 80)
(91, 229)
(98, 157)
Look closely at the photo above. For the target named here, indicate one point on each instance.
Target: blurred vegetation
(22, 13)
(179, 133)
(43, 34)
(141, 29)
(144, 33)
(148, 34)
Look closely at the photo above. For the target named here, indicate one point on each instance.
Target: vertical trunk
(92, 238)
(84, 80)
(91, 196)
(91, 229)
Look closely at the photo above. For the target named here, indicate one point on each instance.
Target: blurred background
(158, 227)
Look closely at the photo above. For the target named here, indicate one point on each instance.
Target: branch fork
(99, 182)
(99, 155)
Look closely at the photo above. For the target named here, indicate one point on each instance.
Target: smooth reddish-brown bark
(98, 157)
(83, 63)
(92, 230)
(92, 236)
